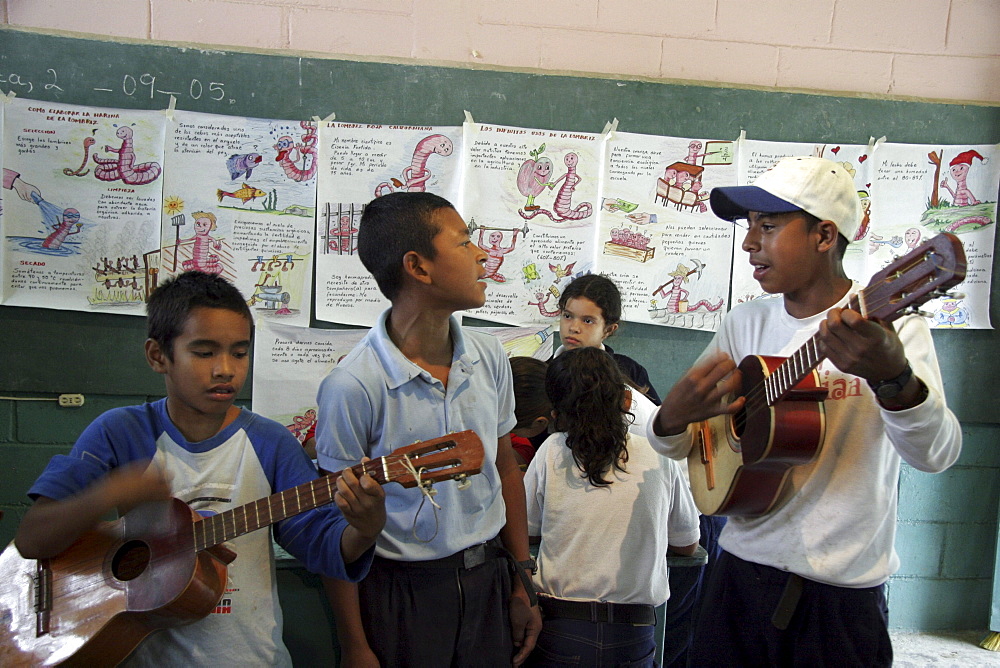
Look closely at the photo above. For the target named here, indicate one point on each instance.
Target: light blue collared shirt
(376, 401)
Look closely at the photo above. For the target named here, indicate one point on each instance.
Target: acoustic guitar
(739, 464)
(163, 565)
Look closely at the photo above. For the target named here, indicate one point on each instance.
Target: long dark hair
(587, 391)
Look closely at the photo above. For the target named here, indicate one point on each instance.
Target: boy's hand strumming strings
(133, 484)
(699, 395)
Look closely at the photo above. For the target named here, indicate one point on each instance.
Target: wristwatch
(889, 388)
(529, 565)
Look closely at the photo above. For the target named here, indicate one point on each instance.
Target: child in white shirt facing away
(606, 508)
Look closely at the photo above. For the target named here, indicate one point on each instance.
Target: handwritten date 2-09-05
(129, 86)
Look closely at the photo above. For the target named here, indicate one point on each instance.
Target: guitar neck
(264, 512)
(800, 364)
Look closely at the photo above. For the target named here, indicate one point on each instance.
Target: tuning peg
(924, 314)
(463, 481)
(428, 487)
(954, 295)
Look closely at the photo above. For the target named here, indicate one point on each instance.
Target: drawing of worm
(287, 149)
(562, 207)
(416, 175)
(123, 167)
(564, 198)
(87, 143)
(543, 298)
(202, 257)
(71, 218)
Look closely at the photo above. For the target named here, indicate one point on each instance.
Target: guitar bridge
(43, 596)
(707, 457)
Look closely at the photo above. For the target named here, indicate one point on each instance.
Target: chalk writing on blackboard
(129, 85)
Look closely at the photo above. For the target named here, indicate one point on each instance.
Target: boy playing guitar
(778, 593)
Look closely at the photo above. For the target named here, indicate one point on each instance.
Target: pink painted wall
(943, 50)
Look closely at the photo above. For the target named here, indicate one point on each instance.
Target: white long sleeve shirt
(839, 525)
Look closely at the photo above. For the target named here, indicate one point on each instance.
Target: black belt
(636, 614)
(470, 557)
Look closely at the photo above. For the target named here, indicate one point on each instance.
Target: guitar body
(105, 595)
(739, 463)
(163, 565)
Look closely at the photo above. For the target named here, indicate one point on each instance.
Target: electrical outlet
(71, 400)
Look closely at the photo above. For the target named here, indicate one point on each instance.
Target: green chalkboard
(49, 351)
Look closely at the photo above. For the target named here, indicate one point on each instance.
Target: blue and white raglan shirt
(251, 458)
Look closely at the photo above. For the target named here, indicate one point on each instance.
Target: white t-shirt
(607, 543)
(840, 525)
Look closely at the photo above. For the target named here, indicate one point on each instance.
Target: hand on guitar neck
(869, 349)
(362, 502)
(700, 395)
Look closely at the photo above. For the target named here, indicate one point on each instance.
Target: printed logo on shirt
(225, 606)
(840, 388)
(209, 499)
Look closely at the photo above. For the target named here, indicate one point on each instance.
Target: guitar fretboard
(800, 364)
(293, 501)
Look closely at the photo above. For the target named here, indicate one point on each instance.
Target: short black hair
(392, 226)
(599, 289)
(172, 301)
(530, 400)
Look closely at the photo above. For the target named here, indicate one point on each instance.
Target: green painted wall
(947, 522)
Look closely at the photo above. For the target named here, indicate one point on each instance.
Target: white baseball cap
(801, 183)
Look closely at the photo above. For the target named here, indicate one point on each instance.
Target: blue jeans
(573, 642)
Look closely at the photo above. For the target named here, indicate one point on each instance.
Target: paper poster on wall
(81, 206)
(289, 364)
(919, 193)
(754, 157)
(239, 201)
(530, 198)
(659, 241)
(529, 341)
(359, 162)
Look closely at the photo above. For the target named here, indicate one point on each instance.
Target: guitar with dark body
(739, 463)
(163, 565)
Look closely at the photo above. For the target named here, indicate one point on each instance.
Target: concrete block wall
(947, 533)
(935, 49)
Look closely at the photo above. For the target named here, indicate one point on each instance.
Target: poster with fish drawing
(659, 240)
(530, 197)
(81, 197)
(359, 162)
(755, 157)
(239, 201)
(921, 191)
(291, 362)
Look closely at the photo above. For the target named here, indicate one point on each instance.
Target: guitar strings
(397, 466)
(756, 396)
(428, 494)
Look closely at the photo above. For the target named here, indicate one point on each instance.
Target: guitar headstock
(920, 275)
(449, 457)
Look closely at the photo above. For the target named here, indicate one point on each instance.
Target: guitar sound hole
(130, 560)
(739, 423)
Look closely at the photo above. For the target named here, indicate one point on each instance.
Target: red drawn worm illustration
(289, 153)
(123, 167)
(87, 143)
(562, 208)
(415, 176)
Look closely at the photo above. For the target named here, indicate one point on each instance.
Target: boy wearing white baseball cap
(804, 583)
